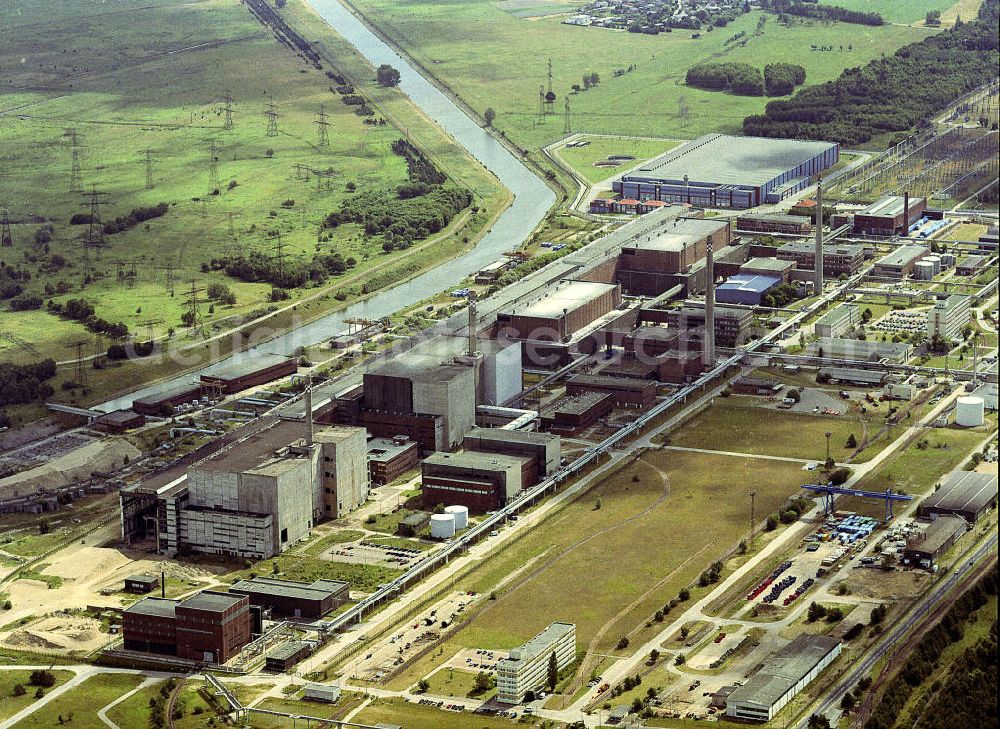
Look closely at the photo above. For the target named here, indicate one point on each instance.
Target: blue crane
(828, 491)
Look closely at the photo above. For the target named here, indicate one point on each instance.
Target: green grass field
(491, 58)
(82, 702)
(733, 425)
(11, 704)
(661, 521)
(414, 716)
(582, 159)
(102, 72)
(897, 11)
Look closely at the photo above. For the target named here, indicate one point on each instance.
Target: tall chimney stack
(819, 237)
(906, 213)
(309, 412)
(473, 325)
(709, 353)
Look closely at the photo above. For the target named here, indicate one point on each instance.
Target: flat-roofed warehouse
(554, 317)
(934, 541)
(289, 599)
(544, 448)
(628, 392)
(229, 378)
(962, 493)
(480, 481)
(885, 217)
(720, 171)
(783, 676)
(900, 262)
(648, 265)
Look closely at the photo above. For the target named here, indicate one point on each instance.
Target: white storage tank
(461, 514)
(969, 411)
(923, 271)
(443, 526)
(935, 261)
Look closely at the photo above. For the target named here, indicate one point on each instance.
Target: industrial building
(481, 481)
(210, 627)
(627, 392)
(862, 350)
(227, 378)
(731, 324)
(432, 401)
(756, 386)
(780, 224)
(971, 265)
(572, 414)
(251, 494)
(119, 421)
(141, 584)
(761, 266)
(839, 259)
(745, 290)
(571, 306)
(390, 458)
(286, 655)
(949, 316)
(526, 668)
(782, 677)
(648, 266)
(935, 540)
(841, 320)
(165, 403)
(289, 599)
(900, 263)
(720, 171)
(887, 217)
(851, 376)
(544, 448)
(967, 494)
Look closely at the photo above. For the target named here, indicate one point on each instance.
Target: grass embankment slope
(154, 76)
(491, 58)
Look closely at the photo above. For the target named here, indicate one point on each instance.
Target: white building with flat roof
(526, 668)
(948, 316)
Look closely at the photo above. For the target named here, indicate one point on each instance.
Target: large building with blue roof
(745, 289)
(720, 171)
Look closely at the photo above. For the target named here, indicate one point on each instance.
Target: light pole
(828, 434)
(753, 521)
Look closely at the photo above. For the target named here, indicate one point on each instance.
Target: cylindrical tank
(936, 262)
(461, 514)
(443, 526)
(923, 271)
(969, 411)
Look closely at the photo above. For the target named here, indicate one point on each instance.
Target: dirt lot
(58, 634)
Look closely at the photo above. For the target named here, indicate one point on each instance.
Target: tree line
(83, 311)
(21, 384)
(778, 79)
(817, 11)
(890, 94)
(923, 662)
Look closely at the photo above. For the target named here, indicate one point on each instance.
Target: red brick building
(209, 627)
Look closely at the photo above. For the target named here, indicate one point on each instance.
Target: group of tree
(416, 209)
(882, 96)
(124, 222)
(21, 384)
(712, 575)
(387, 75)
(972, 681)
(818, 11)
(780, 79)
(780, 295)
(736, 78)
(83, 311)
(258, 267)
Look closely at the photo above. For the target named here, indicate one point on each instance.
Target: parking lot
(369, 553)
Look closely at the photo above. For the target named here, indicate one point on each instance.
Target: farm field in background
(491, 58)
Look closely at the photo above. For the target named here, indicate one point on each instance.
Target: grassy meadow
(153, 75)
(661, 520)
(582, 159)
(492, 58)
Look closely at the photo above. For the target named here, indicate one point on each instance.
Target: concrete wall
(344, 469)
(500, 376)
(451, 398)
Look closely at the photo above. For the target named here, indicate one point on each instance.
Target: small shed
(141, 584)
(321, 692)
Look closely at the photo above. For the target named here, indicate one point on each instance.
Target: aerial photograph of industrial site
(484, 364)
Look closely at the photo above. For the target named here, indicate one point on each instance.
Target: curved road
(532, 200)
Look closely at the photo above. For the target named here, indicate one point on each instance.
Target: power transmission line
(322, 128)
(272, 119)
(227, 122)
